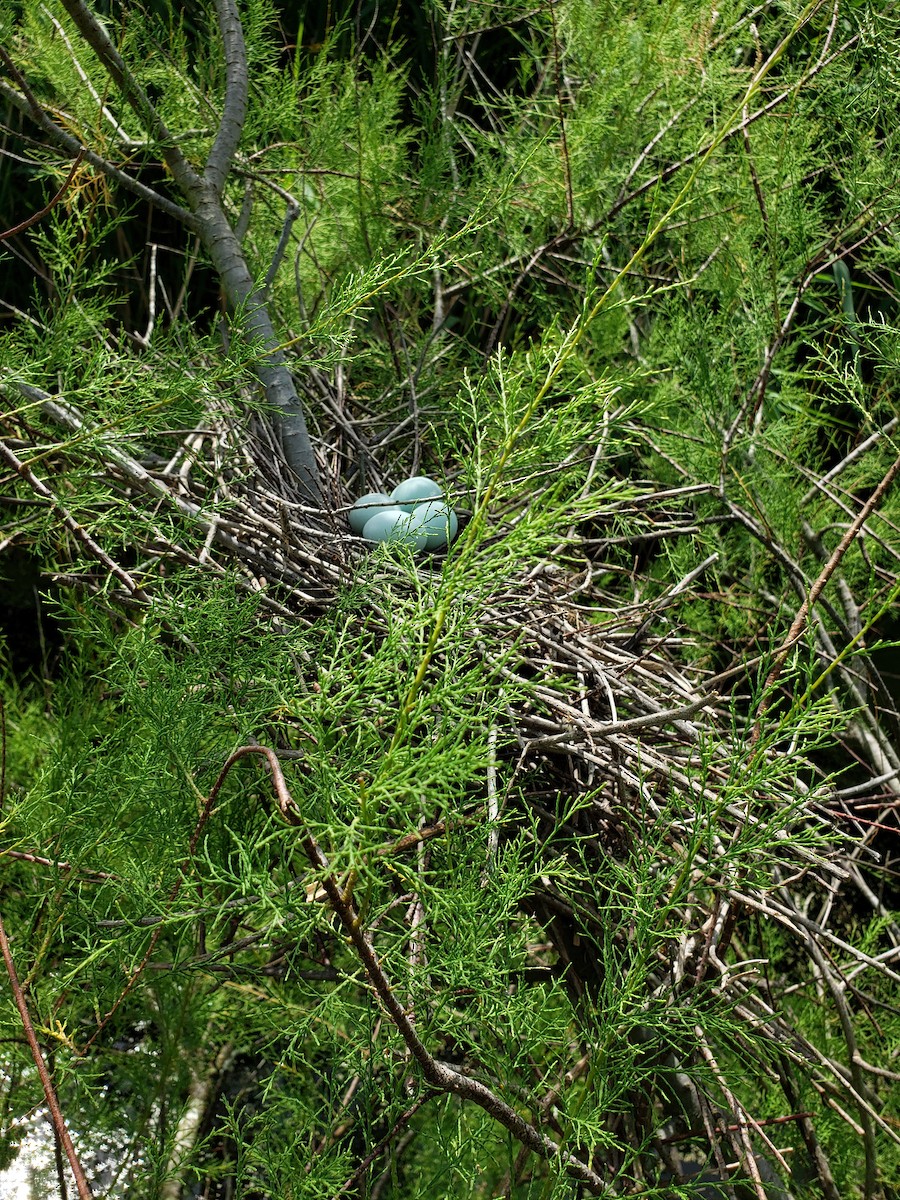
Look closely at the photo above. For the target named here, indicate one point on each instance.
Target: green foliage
(608, 273)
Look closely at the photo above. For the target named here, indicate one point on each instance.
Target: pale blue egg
(365, 509)
(437, 521)
(393, 525)
(415, 491)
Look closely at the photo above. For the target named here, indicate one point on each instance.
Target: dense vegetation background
(560, 863)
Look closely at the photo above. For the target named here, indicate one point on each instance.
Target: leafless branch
(234, 110)
(399, 1125)
(59, 1124)
(799, 623)
(24, 102)
(94, 33)
(22, 469)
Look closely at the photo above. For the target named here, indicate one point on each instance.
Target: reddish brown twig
(59, 1124)
(692, 1134)
(2, 754)
(41, 861)
(39, 216)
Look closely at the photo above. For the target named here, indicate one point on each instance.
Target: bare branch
(845, 462)
(69, 521)
(234, 109)
(799, 622)
(401, 1122)
(59, 1124)
(98, 39)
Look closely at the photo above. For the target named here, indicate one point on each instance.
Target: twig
(493, 805)
(799, 622)
(399, 1124)
(859, 1084)
(291, 216)
(33, 220)
(39, 860)
(564, 145)
(438, 1075)
(741, 1116)
(144, 339)
(27, 104)
(2, 754)
(845, 462)
(69, 521)
(59, 1124)
(84, 77)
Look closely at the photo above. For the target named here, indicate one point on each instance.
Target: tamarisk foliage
(561, 862)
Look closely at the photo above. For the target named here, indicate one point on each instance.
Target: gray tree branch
(234, 109)
(27, 104)
(207, 216)
(98, 39)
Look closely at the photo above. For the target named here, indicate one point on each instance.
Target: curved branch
(799, 623)
(48, 207)
(246, 302)
(59, 1124)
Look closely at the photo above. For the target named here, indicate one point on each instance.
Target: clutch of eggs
(415, 514)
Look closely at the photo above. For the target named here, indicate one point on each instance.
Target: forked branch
(206, 214)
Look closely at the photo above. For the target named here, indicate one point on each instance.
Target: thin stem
(439, 1075)
(59, 1124)
(69, 521)
(564, 145)
(26, 104)
(39, 216)
(94, 33)
(799, 623)
(401, 1122)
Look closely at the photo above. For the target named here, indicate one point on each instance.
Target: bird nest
(615, 743)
